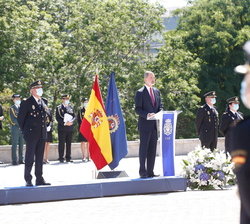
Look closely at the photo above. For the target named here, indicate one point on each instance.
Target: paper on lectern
(157, 116)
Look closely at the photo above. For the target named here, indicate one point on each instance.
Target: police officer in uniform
(81, 138)
(65, 117)
(206, 122)
(241, 147)
(32, 121)
(16, 134)
(229, 119)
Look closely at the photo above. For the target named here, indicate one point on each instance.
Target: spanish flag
(95, 128)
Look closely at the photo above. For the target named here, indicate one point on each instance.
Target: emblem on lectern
(168, 127)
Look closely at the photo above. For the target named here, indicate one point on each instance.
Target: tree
(203, 50)
(66, 43)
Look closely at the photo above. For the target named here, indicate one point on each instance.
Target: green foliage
(66, 43)
(215, 33)
(200, 56)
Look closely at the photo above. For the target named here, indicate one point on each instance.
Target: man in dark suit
(147, 103)
(65, 127)
(1, 119)
(241, 147)
(206, 122)
(32, 121)
(16, 134)
(229, 120)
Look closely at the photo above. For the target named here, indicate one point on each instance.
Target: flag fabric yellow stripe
(95, 128)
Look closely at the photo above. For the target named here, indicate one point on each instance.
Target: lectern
(167, 125)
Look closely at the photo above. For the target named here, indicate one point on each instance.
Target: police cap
(234, 99)
(16, 96)
(65, 96)
(243, 69)
(210, 94)
(36, 84)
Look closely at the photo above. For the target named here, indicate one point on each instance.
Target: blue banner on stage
(168, 143)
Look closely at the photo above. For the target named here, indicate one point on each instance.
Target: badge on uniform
(33, 107)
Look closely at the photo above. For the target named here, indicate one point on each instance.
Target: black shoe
(21, 162)
(1, 162)
(154, 175)
(14, 163)
(69, 161)
(143, 176)
(42, 183)
(29, 183)
(61, 160)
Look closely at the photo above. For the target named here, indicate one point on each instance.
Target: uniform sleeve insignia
(113, 123)
(239, 158)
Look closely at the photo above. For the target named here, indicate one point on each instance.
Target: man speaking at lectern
(147, 103)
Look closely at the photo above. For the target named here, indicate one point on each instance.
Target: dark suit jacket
(32, 119)
(1, 114)
(143, 106)
(60, 111)
(206, 123)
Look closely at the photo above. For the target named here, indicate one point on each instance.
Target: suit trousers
(17, 139)
(34, 149)
(147, 152)
(64, 137)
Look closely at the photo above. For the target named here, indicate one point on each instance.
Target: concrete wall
(182, 147)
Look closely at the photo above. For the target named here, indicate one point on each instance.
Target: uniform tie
(152, 96)
(39, 103)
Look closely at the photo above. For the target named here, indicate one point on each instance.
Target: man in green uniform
(16, 134)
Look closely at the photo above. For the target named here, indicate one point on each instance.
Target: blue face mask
(242, 94)
(66, 102)
(236, 107)
(17, 102)
(39, 92)
(85, 104)
(213, 100)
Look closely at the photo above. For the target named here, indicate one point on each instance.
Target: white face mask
(85, 104)
(17, 102)
(66, 102)
(39, 92)
(236, 107)
(242, 94)
(213, 101)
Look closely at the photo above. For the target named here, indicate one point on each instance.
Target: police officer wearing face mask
(65, 117)
(241, 144)
(206, 122)
(32, 121)
(81, 138)
(229, 119)
(16, 134)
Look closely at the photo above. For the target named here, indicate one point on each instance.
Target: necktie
(152, 96)
(39, 103)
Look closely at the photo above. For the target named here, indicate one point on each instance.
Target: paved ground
(190, 207)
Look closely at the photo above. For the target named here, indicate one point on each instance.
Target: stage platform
(91, 189)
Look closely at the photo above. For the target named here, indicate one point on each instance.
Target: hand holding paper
(68, 119)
